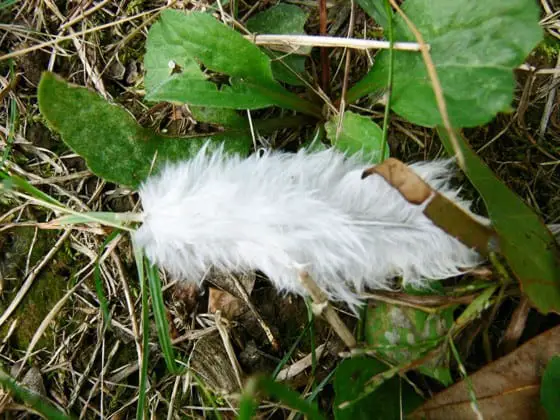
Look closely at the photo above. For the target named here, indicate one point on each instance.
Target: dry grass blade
(31, 277)
(58, 40)
(295, 41)
(327, 311)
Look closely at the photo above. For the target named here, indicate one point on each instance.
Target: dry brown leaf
(442, 211)
(230, 306)
(505, 389)
(228, 298)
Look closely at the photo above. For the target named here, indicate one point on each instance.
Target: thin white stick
(330, 41)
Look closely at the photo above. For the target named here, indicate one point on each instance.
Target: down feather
(281, 213)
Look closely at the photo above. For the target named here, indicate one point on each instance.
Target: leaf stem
(389, 79)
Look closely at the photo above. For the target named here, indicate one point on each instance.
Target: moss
(47, 289)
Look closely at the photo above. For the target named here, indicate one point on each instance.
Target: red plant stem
(325, 67)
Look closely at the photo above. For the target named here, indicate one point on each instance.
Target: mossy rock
(47, 289)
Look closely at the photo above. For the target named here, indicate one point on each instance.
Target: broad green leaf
(358, 134)
(403, 334)
(114, 146)
(184, 38)
(201, 37)
(550, 389)
(475, 45)
(221, 116)
(529, 247)
(163, 59)
(384, 403)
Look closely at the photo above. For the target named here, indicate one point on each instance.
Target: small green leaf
(358, 134)
(475, 45)
(550, 389)
(528, 246)
(384, 403)
(285, 67)
(376, 9)
(114, 146)
(280, 19)
(402, 334)
(283, 19)
(198, 37)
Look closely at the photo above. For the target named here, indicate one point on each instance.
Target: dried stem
(327, 311)
(325, 65)
(436, 85)
(296, 41)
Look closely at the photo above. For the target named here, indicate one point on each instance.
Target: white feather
(281, 212)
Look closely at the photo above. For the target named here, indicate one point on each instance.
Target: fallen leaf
(227, 297)
(507, 388)
(442, 211)
(220, 300)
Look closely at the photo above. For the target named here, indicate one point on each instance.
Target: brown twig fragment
(516, 326)
(321, 302)
(443, 212)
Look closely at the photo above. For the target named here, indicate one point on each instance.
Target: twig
(346, 71)
(321, 302)
(46, 321)
(516, 325)
(296, 368)
(549, 103)
(268, 332)
(229, 349)
(331, 41)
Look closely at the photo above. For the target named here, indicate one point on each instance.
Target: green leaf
(401, 334)
(550, 389)
(384, 403)
(269, 387)
(529, 247)
(158, 307)
(143, 371)
(282, 19)
(284, 66)
(220, 116)
(198, 37)
(11, 181)
(475, 45)
(202, 38)
(34, 400)
(114, 146)
(357, 134)
(376, 9)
